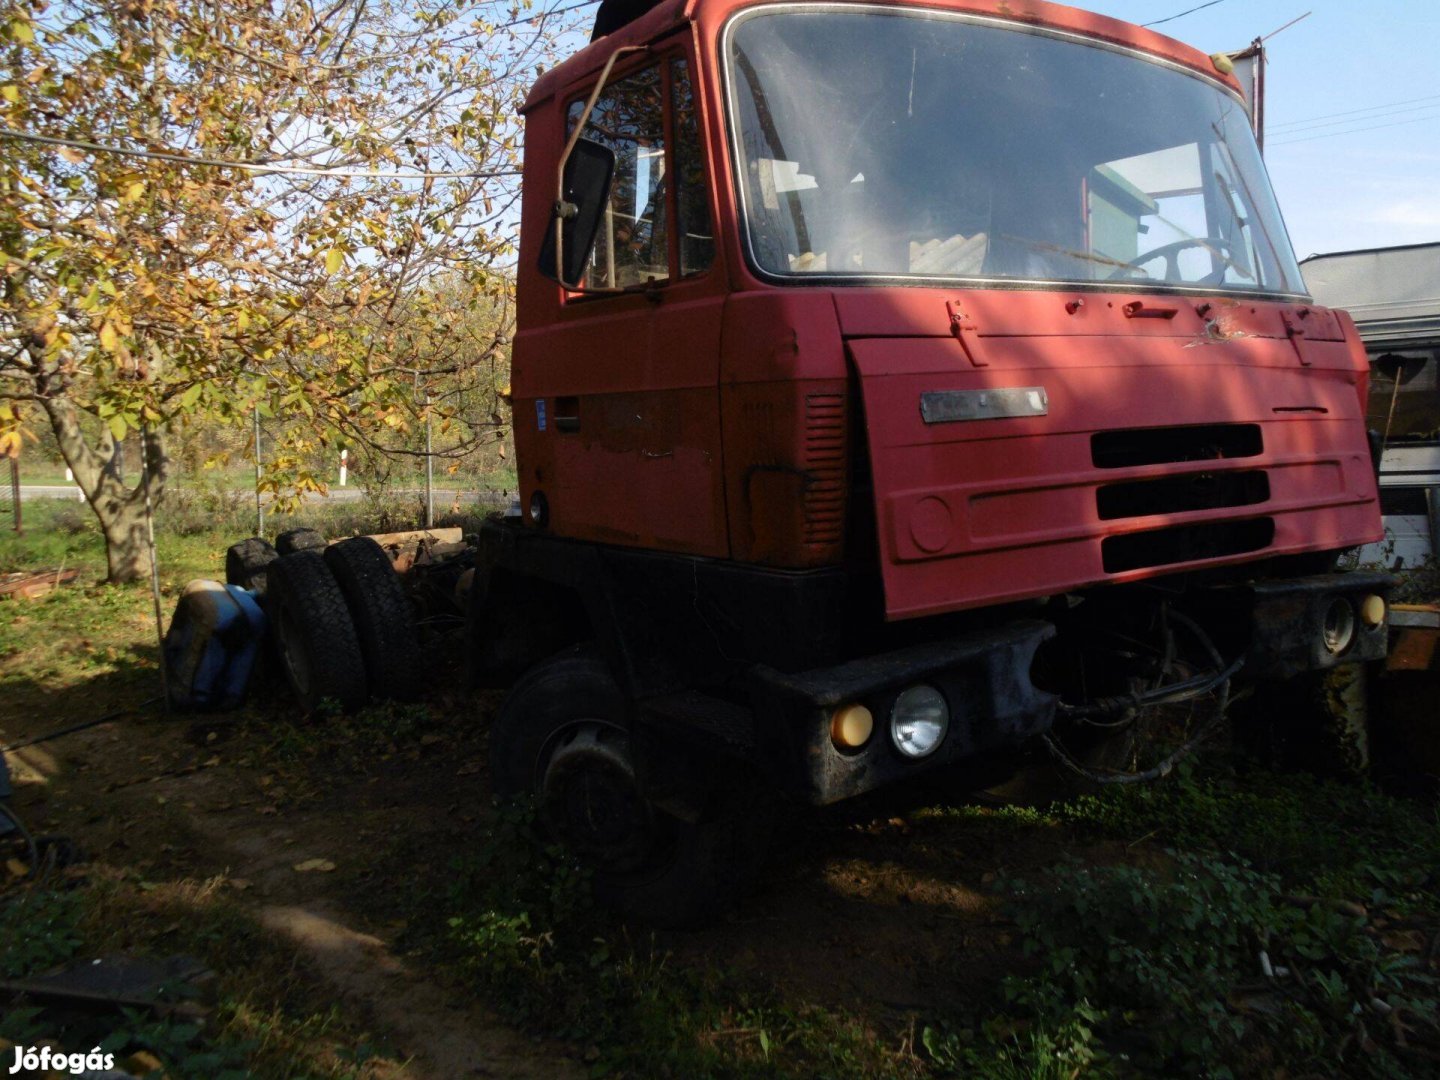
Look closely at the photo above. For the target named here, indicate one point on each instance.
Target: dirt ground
(883, 917)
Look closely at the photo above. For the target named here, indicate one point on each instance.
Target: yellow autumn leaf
(334, 260)
(11, 93)
(319, 341)
(134, 191)
(109, 340)
(20, 31)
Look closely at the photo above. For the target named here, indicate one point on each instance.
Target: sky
(1369, 178)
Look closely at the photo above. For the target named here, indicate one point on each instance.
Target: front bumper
(984, 678)
(1288, 617)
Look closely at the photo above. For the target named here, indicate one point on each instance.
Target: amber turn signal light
(851, 727)
(1372, 610)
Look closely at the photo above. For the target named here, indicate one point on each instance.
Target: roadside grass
(1228, 922)
(241, 478)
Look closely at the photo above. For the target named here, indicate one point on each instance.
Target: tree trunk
(127, 543)
(120, 510)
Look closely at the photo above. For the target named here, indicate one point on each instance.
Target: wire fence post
(15, 491)
(429, 461)
(145, 448)
(429, 471)
(259, 506)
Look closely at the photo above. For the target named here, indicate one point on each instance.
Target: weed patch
(1340, 840)
(39, 928)
(1207, 967)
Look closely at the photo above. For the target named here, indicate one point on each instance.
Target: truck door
(627, 381)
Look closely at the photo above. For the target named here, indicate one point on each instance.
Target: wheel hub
(590, 797)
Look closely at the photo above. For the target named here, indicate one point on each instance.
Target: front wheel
(562, 738)
(1318, 721)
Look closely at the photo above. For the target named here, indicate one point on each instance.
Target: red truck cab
(875, 363)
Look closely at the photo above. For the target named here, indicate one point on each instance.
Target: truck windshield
(884, 144)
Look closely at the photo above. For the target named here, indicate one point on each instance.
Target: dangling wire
(1217, 680)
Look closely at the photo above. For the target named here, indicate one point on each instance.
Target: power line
(247, 166)
(1304, 121)
(1292, 22)
(548, 14)
(1351, 131)
(1361, 119)
(1191, 11)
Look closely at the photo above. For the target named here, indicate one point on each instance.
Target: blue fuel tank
(211, 646)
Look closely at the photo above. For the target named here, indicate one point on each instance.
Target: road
(338, 494)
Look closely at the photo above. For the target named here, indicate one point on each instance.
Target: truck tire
(246, 563)
(561, 737)
(318, 649)
(293, 540)
(1318, 721)
(384, 621)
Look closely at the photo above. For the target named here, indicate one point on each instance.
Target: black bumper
(984, 678)
(1288, 617)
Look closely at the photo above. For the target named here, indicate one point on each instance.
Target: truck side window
(633, 247)
(697, 240)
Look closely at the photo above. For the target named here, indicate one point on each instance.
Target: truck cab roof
(711, 14)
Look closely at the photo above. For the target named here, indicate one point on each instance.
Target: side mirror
(576, 221)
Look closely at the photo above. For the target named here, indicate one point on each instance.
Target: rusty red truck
(901, 391)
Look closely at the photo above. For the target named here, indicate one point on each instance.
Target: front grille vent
(824, 498)
(1185, 543)
(1181, 494)
(1163, 446)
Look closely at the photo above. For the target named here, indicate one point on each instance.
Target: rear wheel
(318, 649)
(562, 738)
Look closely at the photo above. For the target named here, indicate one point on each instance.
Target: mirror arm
(565, 210)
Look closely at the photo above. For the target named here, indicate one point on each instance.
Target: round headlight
(918, 721)
(1339, 628)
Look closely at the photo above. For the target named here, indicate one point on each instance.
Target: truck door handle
(1137, 309)
(567, 415)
